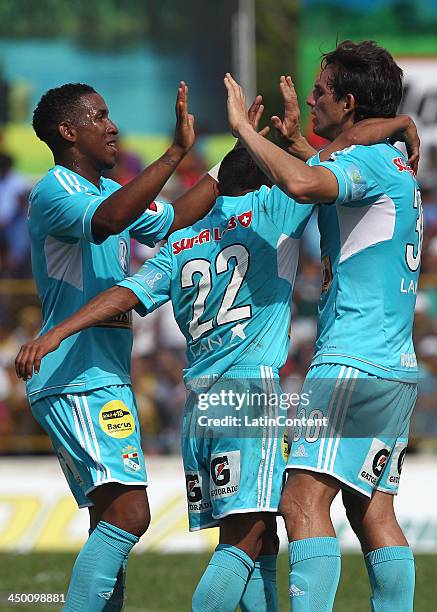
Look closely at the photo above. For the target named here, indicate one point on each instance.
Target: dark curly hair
(238, 172)
(370, 74)
(57, 105)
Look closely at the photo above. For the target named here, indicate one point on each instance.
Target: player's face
(326, 112)
(96, 133)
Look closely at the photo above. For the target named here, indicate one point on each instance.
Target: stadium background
(134, 53)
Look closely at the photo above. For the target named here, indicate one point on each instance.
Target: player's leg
(389, 559)
(223, 583)
(122, 515)
(260, 594)
(314, 551)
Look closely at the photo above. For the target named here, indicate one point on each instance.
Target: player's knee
(134, 519)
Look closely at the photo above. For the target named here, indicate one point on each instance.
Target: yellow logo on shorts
(285, 447)
(116, 419)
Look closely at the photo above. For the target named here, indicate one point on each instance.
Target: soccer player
(80, 226)
(363, 374)
(221, 275)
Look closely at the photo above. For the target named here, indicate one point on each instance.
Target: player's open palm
(289, 126)
(30, 355)
(184, 136)
(237, 109)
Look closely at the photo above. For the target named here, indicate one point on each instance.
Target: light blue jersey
(371, 241)
(230, 279)
(70, 267)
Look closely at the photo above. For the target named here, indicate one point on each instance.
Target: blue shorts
(233, 466)
(363, 440)
(96, 437)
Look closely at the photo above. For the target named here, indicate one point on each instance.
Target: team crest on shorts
(116, 420)
(375, 461)
(225, 474)
(131, 460)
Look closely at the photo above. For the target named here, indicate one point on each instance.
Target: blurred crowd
(159, 347)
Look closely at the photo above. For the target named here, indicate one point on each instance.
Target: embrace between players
(228, 267)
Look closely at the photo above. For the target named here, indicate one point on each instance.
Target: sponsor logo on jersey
(375, 461)
(195, 494)
(225, 474)
(130, 458)
(123, 255)
(155, 208)
(116, 420)
(402, 165)
(216, 234)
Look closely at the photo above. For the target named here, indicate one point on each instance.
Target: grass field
(158, 583)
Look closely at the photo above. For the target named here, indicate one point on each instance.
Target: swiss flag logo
(245, 219)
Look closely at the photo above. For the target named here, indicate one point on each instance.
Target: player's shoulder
(61, 181)
(109, 184)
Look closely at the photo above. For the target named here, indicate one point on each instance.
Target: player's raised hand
(412, 143)
(30, 355)
(184, 136)
(237, 109)
(255, 113)
(289, 126)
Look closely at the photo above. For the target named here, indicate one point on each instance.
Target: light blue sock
(96, 568)
(315, 571)
(260, 594)
(223, 582)
(392, 578)
(117, 600)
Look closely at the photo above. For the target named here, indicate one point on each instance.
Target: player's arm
(291, 138)
(106, 305)
(197, 202)
(371, 131)
(303, 183)
(124, 206)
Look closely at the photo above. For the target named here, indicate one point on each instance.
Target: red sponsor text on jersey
(402, 165)
(244, 220)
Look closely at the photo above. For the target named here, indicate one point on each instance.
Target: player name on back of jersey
(215, 233)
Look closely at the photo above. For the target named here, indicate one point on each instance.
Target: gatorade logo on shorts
(397, 463)
(116, 419)
(375, 462)
(225, 474)
(195, 495)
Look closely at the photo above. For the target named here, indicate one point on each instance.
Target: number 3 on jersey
(413, 260)
(226, 312)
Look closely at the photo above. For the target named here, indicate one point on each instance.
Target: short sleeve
(355, 169)
(289, 216)
(64, 209)
(151, 284)
(154, 224)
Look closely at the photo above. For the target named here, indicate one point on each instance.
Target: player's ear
(67, 131)
(349, 103)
